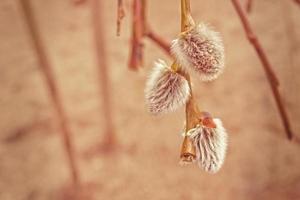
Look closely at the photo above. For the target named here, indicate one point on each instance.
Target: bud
(166, 90)
(211, 145)
(200, 49)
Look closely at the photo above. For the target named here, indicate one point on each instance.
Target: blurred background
(260, 164)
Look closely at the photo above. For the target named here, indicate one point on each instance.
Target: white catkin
(166, 90)
(201, 50)
(211, 145)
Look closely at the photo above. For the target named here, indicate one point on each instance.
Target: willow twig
(101, 59)
(164, 45)
(136, 54)
(273, 81)
(46, 68)
(120, 16)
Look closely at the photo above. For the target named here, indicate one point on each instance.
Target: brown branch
(120, 16)
(101, 59)
(46, 68)
(164, 45)
(136, 54)
(144, 23)
(273, 81)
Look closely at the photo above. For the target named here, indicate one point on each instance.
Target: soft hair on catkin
(200, 49)
(166, 90)
(211, 145)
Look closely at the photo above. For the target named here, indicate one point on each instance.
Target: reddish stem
(273, 81)
(164, 45)
(120, 16)
(40, 51)
(101, 59)
(136, 54)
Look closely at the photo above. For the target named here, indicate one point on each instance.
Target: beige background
(260, 164)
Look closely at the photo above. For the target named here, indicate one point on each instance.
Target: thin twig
(144, 20)
(136, 54)
(273, 81)
(164, 45)
(101, 59)
(120, 16)
(40, 51)
(147, 32)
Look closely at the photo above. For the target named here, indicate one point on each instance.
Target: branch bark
(273, 81)
(46, 68)
(164, 45)
(101, 59)
(120, 16)
(136, 54)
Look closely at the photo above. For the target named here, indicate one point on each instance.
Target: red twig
(164, 45)
(101, 58)
(120, 16)
(136, 54)
(147, 32)
(40, 51)
(273, 81)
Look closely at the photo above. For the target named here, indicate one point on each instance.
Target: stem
(144, 17)
(191, 109)
(186, 18)
(46, 68)
(101, 59)
(164, 45)
(273, 81)
(120, 16)
(136, 54)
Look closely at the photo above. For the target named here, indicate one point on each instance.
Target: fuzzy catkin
(166, 90)
(211, 145)
(200, 49)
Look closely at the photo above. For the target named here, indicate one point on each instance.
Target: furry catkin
(200, 49)
(166, 90)
(211, 145)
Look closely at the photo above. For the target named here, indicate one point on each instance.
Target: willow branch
(273, 81)
(159, 41)
(101, 59)
(120, 16)
(136, 54)
(46, 68)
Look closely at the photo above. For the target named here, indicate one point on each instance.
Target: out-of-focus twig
(160, 42)
(40, 51)
(101, 59)
(273, 81)
(120, 16)
(136, 54)
(148, 32)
